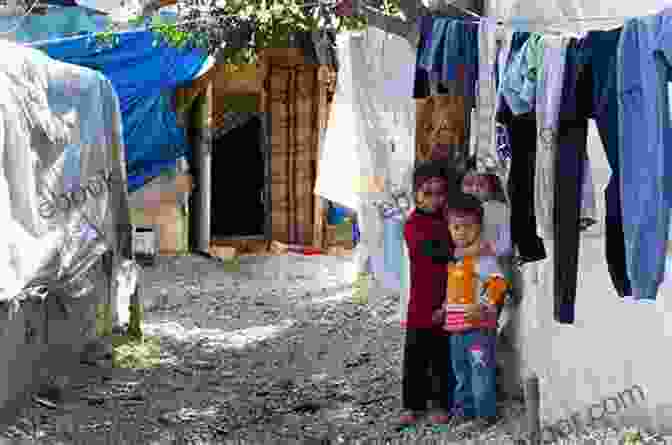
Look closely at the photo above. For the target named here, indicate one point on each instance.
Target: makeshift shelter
(265, 120)
(144, 74)
(155, 132)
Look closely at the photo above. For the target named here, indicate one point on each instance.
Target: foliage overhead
(240, 28)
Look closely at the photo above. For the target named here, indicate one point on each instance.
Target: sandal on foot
(441, 419)
(408, 419)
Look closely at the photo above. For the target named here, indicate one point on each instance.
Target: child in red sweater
(424, 232)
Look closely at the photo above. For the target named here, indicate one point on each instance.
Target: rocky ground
(273, 351)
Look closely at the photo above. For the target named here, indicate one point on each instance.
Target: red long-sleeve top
(428, 276)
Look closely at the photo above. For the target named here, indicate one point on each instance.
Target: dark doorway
(237, 207)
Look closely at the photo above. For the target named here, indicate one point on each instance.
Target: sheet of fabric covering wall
(144, 77)
(64, 175)
(372, 125)
(339, 157)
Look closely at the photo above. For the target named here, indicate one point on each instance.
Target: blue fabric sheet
(144, 77)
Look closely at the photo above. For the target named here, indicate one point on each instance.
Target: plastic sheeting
(63, 176)
(164, 183)
(144, 76)
(58, 24)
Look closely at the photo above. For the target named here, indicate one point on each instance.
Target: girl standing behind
(496, 216)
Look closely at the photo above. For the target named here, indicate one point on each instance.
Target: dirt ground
(273, 351)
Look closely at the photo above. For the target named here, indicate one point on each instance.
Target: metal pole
(202, 159)
(532, 407)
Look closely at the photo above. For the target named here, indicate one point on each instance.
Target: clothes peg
(499, 32)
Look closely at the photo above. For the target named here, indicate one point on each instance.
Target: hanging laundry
(643, 75)
(600, 60)
(374, 109)
(547, 70)
(446, 68)
(522, 131)
(43, 108)
(518, 86)
(549, 94)
(484, 128)
(431, 59)
(569, 167)
(421, 80)
(448, 53)
(460, 61)
(503, 139)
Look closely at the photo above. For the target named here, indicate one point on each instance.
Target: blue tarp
(136, 182)
(144, 77)
(57, 24)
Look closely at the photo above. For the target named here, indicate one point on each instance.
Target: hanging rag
(65, 169)
(484, 127)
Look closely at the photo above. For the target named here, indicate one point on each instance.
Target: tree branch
(406, 29)
(412, 9)
(152, 6)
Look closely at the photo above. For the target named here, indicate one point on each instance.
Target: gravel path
(272, 352)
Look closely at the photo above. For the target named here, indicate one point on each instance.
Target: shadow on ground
(274, 352)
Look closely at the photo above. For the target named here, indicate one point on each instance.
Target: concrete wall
(51, 352)
(614, 345)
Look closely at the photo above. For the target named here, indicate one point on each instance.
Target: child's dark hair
(436, 169)
(498, 193)
(463, 204)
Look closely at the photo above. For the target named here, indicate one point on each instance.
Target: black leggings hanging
(569, 168)
(523, 139)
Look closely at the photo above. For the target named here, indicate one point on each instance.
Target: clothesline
(551, 22)
(548, 22)
(19, 20)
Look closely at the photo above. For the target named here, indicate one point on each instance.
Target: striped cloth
(455, 322)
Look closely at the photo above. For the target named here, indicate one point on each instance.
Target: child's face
(432, 195)
(477, 185)
(464, 233)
